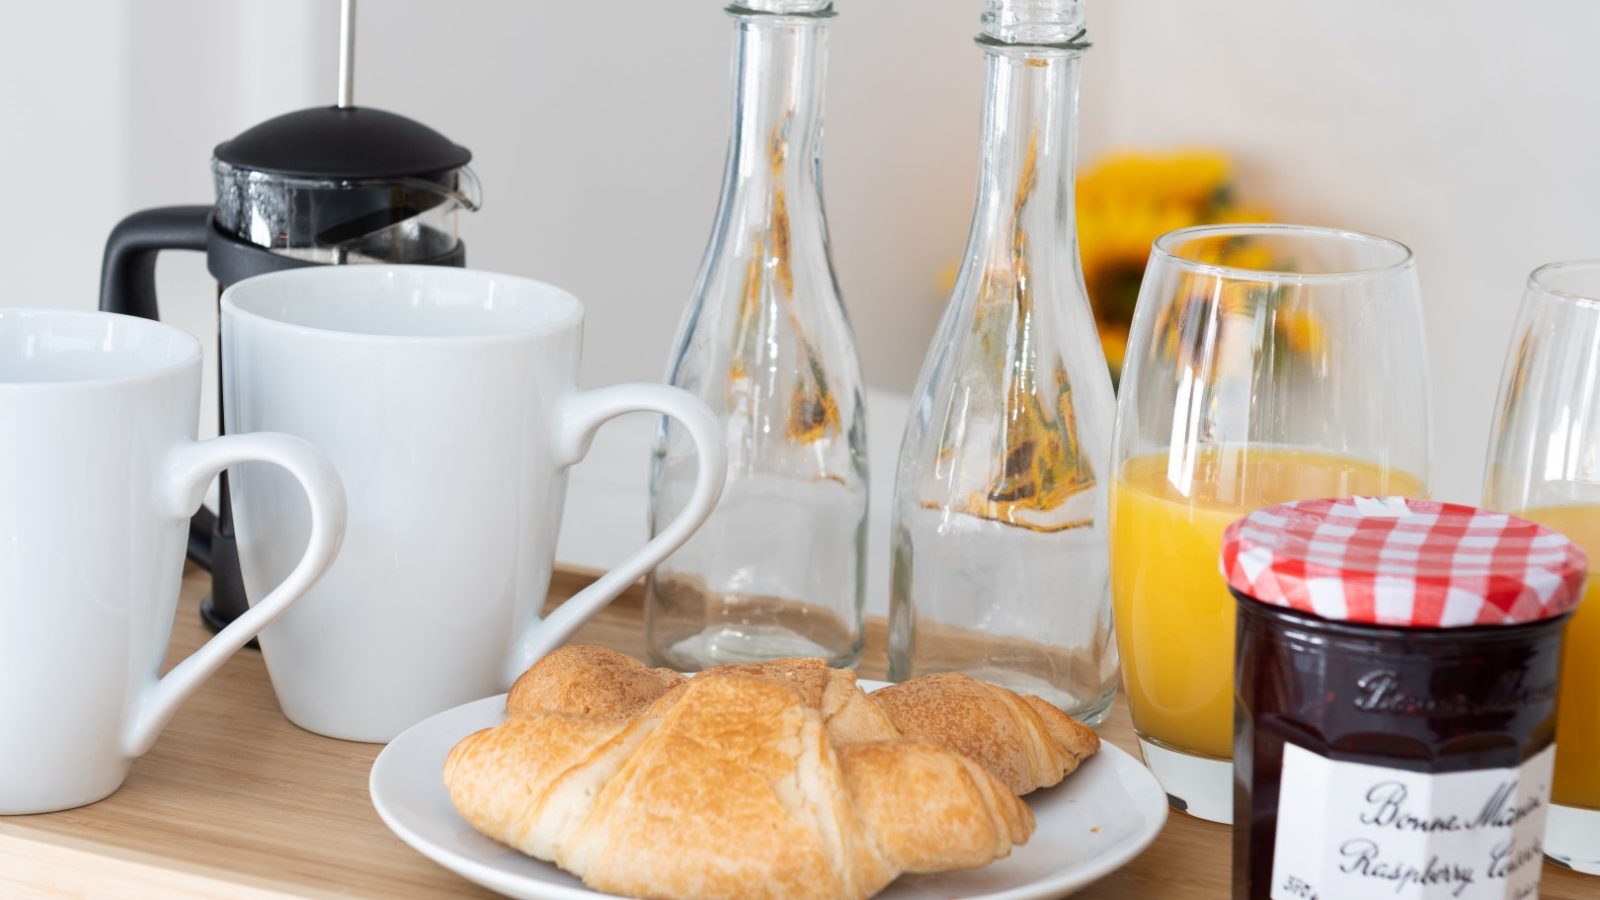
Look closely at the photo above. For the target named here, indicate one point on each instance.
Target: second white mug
(446, 399)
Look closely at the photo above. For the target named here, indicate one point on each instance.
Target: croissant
(1026, 742)
(734, 790)
(598, 681)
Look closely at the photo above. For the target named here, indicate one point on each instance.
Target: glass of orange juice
(1544, 465)
(1266, 363)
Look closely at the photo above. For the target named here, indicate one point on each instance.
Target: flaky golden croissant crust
(1027, 743)
(847, 711)
(734, 790)
(596, 681)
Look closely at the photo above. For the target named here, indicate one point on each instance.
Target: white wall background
(1466, 128)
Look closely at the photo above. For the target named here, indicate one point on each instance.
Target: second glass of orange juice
(1544, 465)
(1266, 363)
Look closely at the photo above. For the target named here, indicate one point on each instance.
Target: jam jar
(1395, 715)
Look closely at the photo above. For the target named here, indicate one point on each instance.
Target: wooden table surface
(235, 802)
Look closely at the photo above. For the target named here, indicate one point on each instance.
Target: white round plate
(1101, 817)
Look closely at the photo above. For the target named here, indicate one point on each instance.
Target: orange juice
(1174, 615)
(1577, 780)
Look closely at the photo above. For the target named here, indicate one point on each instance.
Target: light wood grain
(234, 801)
(45, 865)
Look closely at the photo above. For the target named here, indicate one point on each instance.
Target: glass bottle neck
(778, 91)
(1029, 145)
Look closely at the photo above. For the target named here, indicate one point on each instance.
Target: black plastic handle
(128, 286)
(128, 270)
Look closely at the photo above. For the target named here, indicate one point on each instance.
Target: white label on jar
(1350, 831)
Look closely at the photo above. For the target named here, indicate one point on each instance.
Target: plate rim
(1139, 781)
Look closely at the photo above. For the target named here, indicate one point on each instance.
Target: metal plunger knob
(347, 53)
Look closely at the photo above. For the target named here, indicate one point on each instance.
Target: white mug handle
(578, 417)
(188, 470)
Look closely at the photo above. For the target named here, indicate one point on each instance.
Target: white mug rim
(190, 357)
(231, 308)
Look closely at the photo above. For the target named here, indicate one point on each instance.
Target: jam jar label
(1351, 831)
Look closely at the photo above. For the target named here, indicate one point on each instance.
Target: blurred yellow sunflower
(1126, 201)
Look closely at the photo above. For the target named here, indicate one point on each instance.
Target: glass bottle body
(778, 570)
(999, 519)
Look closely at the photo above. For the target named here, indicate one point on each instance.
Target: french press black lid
(341, 185)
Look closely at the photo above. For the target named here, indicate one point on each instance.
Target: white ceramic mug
(446, 399)
(99, 474)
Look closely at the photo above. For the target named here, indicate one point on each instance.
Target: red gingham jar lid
(1403, 563)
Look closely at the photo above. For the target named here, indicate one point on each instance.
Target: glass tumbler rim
(1541, 280)
(1164, 248)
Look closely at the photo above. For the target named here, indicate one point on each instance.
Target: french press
(324, 186)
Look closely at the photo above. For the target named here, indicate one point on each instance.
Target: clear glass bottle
(778, 570)
(999, 534)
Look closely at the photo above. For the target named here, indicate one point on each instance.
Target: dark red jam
(1424, 700)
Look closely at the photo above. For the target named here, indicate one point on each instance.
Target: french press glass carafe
(324, 186)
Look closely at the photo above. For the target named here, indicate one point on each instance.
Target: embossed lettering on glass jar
(1396, 683)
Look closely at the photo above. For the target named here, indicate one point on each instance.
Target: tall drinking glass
(1544, 465)
(1266, 363)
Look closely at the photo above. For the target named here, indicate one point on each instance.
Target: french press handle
(128, 286)
(128, 270)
